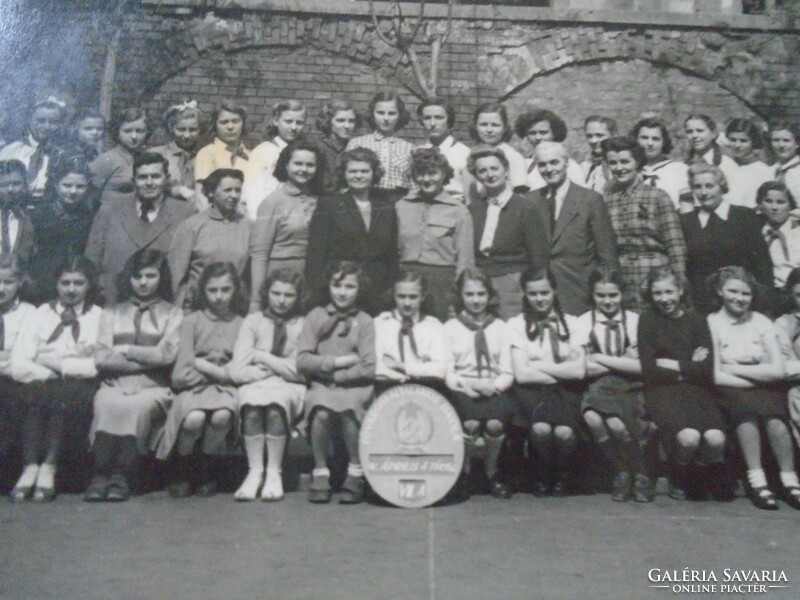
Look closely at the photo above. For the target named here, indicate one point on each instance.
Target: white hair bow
(186, 104)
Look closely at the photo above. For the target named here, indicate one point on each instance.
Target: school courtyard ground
(577, 548)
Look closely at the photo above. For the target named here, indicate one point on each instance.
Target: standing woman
(745, 142)
(536, 126)
(280, 234)
(227, 151)
(386, 115)
(336, 353)
(138, 339)
(356, 225)
(490, 126)
(272, 391)
(336, 121)
(701, 136)
(508, 234)
(677, 357)
(218, 234)
(479, 376)
(659, 170)
(646, 223)
(549, 369)
(784, 140)
(183, 122)
(749, 373)
(782, 235)
(61, 223)
(286, 126)
(435, 229)
(718, 235)
(53, 358)
(112, 171)
(202, 415)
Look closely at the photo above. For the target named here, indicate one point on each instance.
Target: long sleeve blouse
(34, 340)
(676, 339)
(316, 354)
(427, 359)
(256, 335)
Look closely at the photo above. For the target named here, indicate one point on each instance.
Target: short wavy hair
(490, 108)
(281, 174)
(329, 110)
(485, 152)
(426, 160)
(529, 118)
(653, 123)
(360, 155)
(388, 96)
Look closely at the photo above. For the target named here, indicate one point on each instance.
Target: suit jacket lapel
(568, 212)
(141, 234)
(350, 209)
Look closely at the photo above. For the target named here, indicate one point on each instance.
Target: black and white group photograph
(421, 300)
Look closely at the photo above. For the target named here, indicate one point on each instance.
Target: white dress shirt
(493, 218)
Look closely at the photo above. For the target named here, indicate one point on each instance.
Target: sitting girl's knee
(221, 419)
(494, 428)
(541, 429)
(714, 438)
(688, 438)
(563, 433)
(472, 428)
(194, 422)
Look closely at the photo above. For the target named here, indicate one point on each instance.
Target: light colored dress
(259, 385)
(135, 402)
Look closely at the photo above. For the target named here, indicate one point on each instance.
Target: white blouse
(432, 355)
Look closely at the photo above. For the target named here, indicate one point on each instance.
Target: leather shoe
(97, 490)
(643, 489)
(621, 487)
(499, 489)
(118, 489)
(353, 490)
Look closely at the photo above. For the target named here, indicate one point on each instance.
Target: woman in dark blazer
(718, 235)
(356, 224)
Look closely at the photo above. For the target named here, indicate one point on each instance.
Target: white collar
(60, 308)
(280, 142)
(721, 211)
(32, 141)
(502, 199)
(600, 316)
(793, 162)
(396, 316)
(561, 190)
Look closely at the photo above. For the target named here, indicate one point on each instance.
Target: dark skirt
(616, 396)
(484, 408)
(748, 404)
(677, 406)
(555, 404)
(75, 397)
(11, 412)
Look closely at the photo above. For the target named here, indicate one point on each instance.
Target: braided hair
(533, 274)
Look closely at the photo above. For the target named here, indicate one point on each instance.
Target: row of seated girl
(70, 367)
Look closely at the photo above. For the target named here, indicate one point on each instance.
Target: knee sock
(254, 450)
(632, 452)
(789, 479)
(564, 452)
(103, 453)
(276, 444)
(609, 448)
(493, 445)
(757, 478)
(127, 453)
(469, 449)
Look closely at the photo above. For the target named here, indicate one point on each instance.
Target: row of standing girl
(250, 375)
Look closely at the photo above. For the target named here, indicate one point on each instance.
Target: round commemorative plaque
(411, 446)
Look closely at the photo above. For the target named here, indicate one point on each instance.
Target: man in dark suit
(580, 233)
(148, 220)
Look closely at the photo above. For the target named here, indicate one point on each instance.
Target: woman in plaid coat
(647, 225)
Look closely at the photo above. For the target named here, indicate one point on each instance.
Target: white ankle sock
(757, 478)
(323, 472)
(355, 470)
(789, 479)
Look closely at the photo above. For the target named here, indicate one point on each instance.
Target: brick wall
(620, 67)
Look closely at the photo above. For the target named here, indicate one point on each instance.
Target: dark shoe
(97, 490)
(44, 494)
(621, 488)
(541, 488)
(499, 489)
(644, 490)
(791, 495)
(763, 498)
(319, 492)
(353, 490)
(560, 487)
(207, 489)
(118, 489)
(180, 489)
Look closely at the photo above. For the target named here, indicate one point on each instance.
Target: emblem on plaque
(411, 446)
